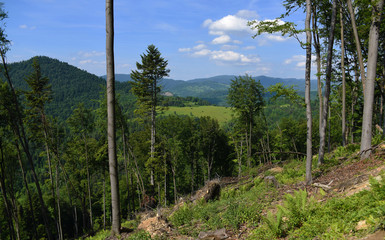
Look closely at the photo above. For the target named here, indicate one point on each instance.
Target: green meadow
(222, 114)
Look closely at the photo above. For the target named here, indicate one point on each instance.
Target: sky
(198, 38)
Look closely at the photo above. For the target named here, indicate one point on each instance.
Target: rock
(213, 235)
(276, 170)
(271, 180)
(155, 226)
(362, 225)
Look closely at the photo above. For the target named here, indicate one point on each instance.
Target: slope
(70, 85)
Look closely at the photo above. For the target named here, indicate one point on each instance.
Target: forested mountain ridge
(214, 89)
(70, 85)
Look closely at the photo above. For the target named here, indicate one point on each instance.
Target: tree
(307, 94)
(325, 104)
(366, 136)
(145, 86)
(81, 123)
(246, 98)
(111, 131)
(17, 124)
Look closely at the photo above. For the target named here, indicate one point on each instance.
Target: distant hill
(70, 85)
(214, 89)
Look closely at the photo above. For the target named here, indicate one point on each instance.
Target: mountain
(214, 89)
(70, 85)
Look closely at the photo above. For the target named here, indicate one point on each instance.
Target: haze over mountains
(72, 85)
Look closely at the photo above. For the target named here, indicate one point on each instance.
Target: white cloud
(227, 24)
(295, 58)
(237, 42)
(25, 26)
(222, 39)
(249, 47)
(184, 49)
(166, 27)
(277, 38)
(299, 61)
(203, 52)
(200, 46)
(247, 14)
(229, 47)
(85, 61)
(90, 54)
(226, 56)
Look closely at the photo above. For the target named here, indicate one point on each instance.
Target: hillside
(345, 201)
(70, 85)
(214, 89)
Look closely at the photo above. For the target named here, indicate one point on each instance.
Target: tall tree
(307, 94)
(357, 41)
(246, 97)
(15, 112)
(145, 86)
(322, 129)
(111, 131)
(366, 136)
(343, 111)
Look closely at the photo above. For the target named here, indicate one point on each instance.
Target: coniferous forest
(55, 159)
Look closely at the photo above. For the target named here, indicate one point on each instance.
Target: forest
(55, 154)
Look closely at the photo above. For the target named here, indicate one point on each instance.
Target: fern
(275, 223)
(297, 208)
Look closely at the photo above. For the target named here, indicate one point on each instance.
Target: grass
(299, 216)
(222, 114)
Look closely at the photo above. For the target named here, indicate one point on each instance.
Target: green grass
(222, 114)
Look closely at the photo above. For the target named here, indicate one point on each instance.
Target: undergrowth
(236, 207)
(301, 217)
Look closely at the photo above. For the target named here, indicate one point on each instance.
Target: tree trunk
(8, 208)
(111, 134)
(126, 171)
(19, 131)
(174, 181)
(366, 136)
(307, 95)
(317, 47)
(88, 184)
(28, 191)
(343, 113)
(60, 233)
(358, 44)
(104, 202)
(327, 86)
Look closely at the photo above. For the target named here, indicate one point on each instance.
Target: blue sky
(199, 38)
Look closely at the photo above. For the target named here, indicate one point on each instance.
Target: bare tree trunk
(358, 44)
(343, 113)
(8, 208)
(28, 191)
(307, 95)
(60, 233)
(111, 134)
(327, 86)
(88, 184)
(174, 181)
(104, 202)
(19, 131)
(366, 136)
(126, 171)
(317, 47)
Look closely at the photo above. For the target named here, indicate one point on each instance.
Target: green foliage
(140, 235)
(145, 80)
(275, 223)
(297, 208)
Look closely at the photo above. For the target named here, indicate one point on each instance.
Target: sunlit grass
(222, 114)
